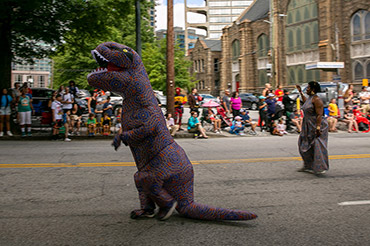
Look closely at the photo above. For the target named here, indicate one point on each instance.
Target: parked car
(117, 100)
(249, 100)
(40, 99)
(207, 98)
(328, 91)
(82, 93)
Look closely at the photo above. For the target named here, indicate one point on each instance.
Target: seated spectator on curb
(171, 126)
(350, 119)
(59, 118)
(108, 108)
(91, 124)
(195, 127)
(281, 127)
(247, 121)
(333, 115)
(296, 118)
(106, 124)
(117, 123)
(237, 127)
(274, 129)
(76, 119)
(214, 120)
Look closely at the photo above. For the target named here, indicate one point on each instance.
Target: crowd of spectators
(276, 110)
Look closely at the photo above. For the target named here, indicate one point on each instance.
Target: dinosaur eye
(124, 50)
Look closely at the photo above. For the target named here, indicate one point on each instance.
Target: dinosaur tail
(204, 212)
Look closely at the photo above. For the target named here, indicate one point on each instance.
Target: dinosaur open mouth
(104, 64)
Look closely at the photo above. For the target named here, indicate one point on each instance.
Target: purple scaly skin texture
(165, 175)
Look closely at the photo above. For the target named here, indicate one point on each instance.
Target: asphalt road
(82, 192)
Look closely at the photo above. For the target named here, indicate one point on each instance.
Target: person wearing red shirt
(279, 93)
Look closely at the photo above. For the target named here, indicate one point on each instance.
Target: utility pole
(138, 27)
(275, 32)
(170, 59)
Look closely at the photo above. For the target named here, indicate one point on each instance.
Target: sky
(179, 15)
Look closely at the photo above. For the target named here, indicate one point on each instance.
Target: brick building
(206, 56)
(298, 32)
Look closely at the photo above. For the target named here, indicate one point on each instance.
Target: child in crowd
(281, 127)
(275, 130)
(170, 122)
(296, 118)
(76, 119)
(25, 109)
(237, 127)
(106, 124)
(117, 123)
(350, 119)
(215, 121)
(59, 118)
(91, 124)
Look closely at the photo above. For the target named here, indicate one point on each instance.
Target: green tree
(74, 64)
(154, 59)
(32, 29)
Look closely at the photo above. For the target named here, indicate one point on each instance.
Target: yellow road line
(200, 162)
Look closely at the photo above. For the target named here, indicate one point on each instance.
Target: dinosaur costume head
(116, 65)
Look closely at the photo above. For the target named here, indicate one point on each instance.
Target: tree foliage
(154, 59)
(71, 63)
(32, 29)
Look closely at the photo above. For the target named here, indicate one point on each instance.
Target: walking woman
(5, 112)
(313, 140)
(236, 103)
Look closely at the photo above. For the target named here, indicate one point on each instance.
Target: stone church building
(260, 48)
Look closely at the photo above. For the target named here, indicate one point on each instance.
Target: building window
(217, 83)
(235, 49)
(368, 70)
(263, 45)
(41, 81)
(361, 25)
(262, 77)
(195, 66)
(215, 35)
(18, 78)
(367, 26)
(241, 3)
(216, 27)
(220, 19)
(215, 62)
(299, 39)
(203, 68)
(302, 35)
(219, 4)
(359, 71)
(219, 11)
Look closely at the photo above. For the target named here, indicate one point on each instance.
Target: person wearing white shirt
(365, 100)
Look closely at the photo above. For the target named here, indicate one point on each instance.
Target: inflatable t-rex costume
(165, 175)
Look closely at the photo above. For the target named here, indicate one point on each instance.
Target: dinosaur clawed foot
(165, 213)
(141, 213)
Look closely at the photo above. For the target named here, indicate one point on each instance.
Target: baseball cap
(238, 117)
(262, 97)
(271, 95)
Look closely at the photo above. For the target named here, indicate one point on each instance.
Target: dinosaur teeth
(98, 70)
